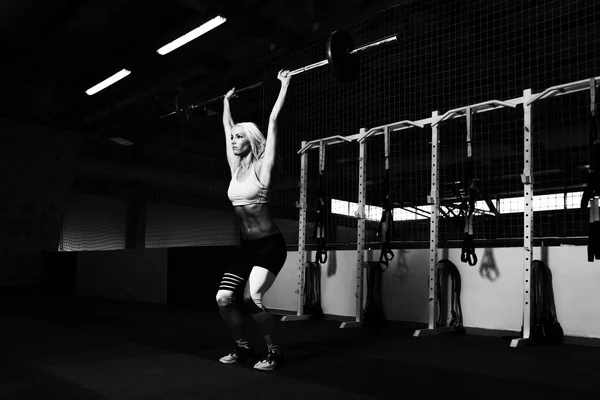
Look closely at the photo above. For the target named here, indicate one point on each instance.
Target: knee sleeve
(231, 282)
(225, 299)
(230, 285)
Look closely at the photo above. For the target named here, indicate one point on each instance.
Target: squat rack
(433, 199)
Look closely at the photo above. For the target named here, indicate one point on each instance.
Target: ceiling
(55, 50)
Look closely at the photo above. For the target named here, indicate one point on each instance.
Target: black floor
(67, 347)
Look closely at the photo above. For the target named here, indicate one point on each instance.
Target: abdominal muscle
(256, 221)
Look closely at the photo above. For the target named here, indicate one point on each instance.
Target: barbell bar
(193, 106)
(339, 55)
(340, 58)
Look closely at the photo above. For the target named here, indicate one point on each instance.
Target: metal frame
(594, 203)
(561, 90)
(434, 199)
(360, 238)
(302, 206)
(527, 179)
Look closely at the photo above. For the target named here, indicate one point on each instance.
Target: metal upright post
(360, 238)
(434, 200)
(527, 179)
(302, 206)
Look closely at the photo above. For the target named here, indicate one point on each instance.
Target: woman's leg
(268, 256)
(231, 285)
(259, 283)
(226, 297)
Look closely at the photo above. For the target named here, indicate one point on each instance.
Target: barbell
(341, 58)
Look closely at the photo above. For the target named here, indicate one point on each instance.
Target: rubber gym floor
(70, 347)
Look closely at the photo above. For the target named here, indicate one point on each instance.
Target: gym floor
(68, 347)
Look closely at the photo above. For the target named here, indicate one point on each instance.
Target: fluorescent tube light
(191, 35)
(107, 82)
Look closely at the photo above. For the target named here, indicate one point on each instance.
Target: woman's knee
(253, 302)
(225, 298)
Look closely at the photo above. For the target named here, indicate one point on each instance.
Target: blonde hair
(255, 136)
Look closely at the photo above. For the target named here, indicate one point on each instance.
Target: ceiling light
(107, 82)
(191, 35)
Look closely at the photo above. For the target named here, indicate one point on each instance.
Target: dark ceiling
(55, 50)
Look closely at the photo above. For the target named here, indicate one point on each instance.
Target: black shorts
(268, 252)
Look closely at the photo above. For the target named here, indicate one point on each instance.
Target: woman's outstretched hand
(230, 94)
(284, 76)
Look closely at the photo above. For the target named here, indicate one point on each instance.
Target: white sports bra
(248, 191)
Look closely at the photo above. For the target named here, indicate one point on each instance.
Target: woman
(262, 253)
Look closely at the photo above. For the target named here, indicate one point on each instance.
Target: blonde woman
(262, 252)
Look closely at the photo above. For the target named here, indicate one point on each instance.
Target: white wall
(576, 289)
(492, 290)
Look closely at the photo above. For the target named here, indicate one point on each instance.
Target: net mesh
(495, 171)
(560, 158)
(448, 54)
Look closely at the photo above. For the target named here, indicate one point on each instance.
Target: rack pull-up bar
(325, 141)
(560, 90)
(475, 108)
(396, 126)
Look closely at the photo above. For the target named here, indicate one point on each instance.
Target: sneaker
(269, 362)
(240, 354)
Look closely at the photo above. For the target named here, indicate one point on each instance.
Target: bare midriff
(256, 221)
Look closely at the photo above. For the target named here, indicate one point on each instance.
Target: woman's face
(239, 142)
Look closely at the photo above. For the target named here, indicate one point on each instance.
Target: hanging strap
(468, 204)
(467, 212)
(385, 225)
(320, 223)
(312, 291)
(451, 271)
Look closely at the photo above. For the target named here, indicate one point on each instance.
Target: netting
(449, 54)
(494, 171)
(409, 185)
(560, 159)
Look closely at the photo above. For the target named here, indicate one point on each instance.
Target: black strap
(545, 327)
(450, 271)
(591, 187)
(385, 225)
(373, 311)
(312, 291)
(320, 223)
(373, 308)
(467, 211)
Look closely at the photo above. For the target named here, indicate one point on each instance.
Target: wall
(492, 290)
(94, 223)
(130, 275)
(37, 166)
(173, 226)
(576, 284)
